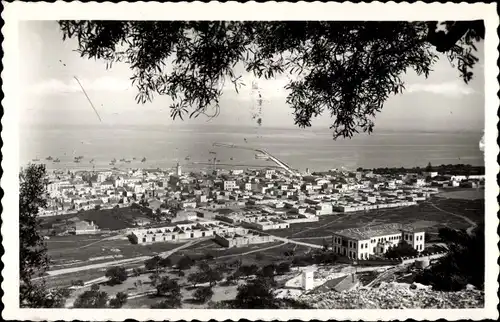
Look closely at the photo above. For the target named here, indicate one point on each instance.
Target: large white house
(361, 243)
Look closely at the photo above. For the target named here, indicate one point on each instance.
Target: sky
(51, 96)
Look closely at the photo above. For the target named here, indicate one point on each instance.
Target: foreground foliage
(33, 259)
(464, 263)
(346, 69)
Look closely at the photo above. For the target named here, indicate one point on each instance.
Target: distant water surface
(165, 146)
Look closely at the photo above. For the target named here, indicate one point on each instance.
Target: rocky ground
(396, 296)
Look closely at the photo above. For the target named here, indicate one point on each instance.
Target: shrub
(93, 299)
(283, 268)
(203, 294)
(119, 300)
(116, 275)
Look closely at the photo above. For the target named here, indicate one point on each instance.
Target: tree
(171, 290)
(93, 299)
(256, 294)
(118, 301)
(153, 264)
(403, 249)
(268, 270)
(116, 275)
(203, 294)
(165, 262)
(33, 259)
(155, 277)
(249, 270)
(205, 274)
(428, 168)
(196, 278)
(347, 69)
(137, 271)
(185, 263)
(283, 268)
(462, 265)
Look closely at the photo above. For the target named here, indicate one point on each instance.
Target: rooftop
(375, 231)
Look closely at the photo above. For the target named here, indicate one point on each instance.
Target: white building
(178, 170)
(229, 185)
(359, 243)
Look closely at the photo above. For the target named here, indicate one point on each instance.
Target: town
(125, 217)
(177, 206)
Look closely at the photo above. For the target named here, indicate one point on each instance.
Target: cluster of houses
(252, 199)
(223, 233)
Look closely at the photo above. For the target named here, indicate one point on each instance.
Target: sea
(192, 147)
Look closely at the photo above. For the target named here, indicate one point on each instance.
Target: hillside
(395, 296)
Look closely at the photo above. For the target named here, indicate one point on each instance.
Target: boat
(127, 161)
(187, 158)
(48, 158)
(91, 161)
(113, 161)
(122, 160)
(56, 160)
(143, 159)
(76, 161)
(231, 159)
(36, 159)
(133, 158)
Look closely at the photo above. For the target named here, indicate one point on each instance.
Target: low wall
(430, 257)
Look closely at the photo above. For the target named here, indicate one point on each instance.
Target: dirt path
(117, 262)
(319, 227)
(472, 223)
(252, 251)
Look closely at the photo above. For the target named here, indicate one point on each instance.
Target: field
(106, 219)
(262, 254)
(429, 215)
(461, 193)
(95, 249)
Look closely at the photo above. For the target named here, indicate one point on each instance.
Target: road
(291, 241)
(252, 251)
(286, 240)
(472, 223)
(118, 262)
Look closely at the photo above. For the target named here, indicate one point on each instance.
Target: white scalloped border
(238, 11)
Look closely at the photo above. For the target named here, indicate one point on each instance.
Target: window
(411, 237)
(203, 234)
(354, 244)
(362, 246)
(173, 236)
(192, 235)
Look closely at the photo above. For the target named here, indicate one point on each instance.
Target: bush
(464, 263)
(93, 299)
(283, 268)
(246, 270)
(116, 275)
(268, 270)
(256, 294)
(118, 301)
(203, 294)
(77, 283)
(403, 249)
